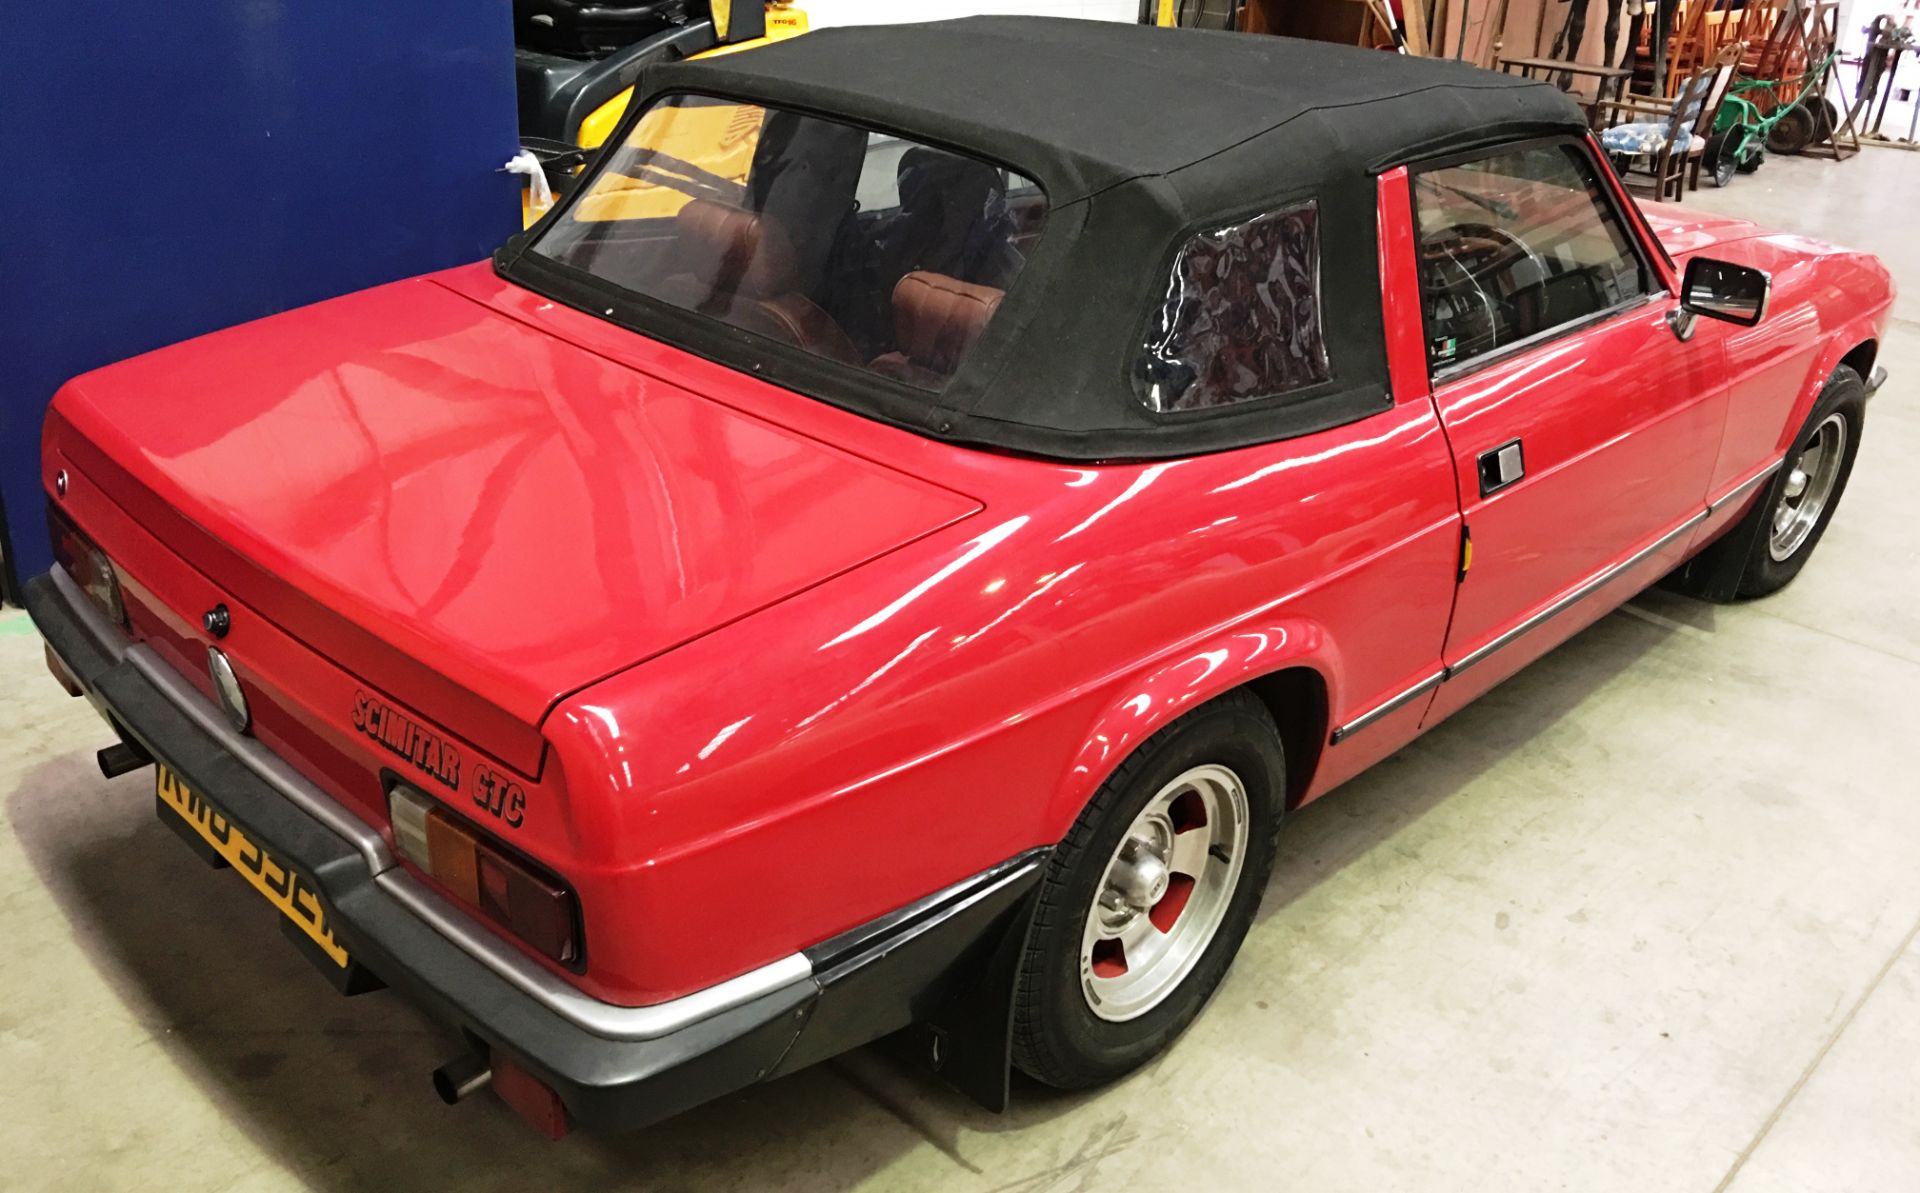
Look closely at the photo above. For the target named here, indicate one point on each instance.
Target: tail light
(88, 565)
(519, 897)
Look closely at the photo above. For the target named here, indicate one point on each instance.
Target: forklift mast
(571, 57)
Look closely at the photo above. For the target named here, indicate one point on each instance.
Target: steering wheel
(1469, 262)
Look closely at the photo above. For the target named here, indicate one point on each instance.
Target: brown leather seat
(947, 221)
(936, 319)
(738, 266)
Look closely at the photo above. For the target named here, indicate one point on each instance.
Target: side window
(1514, 245)
(1241, 319)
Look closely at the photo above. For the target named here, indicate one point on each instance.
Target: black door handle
(1501, 467)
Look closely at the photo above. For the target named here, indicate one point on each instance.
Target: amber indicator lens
(453, 856)
(513, 894)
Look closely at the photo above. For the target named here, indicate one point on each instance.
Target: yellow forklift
(575, 62)
(1191, 14)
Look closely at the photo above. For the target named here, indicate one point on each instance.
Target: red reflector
(530, 1098)
(61, 673)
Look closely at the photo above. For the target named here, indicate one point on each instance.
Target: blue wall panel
(178, 167)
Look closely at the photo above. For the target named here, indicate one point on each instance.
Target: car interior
(590, 28)
(857, 246)
(1514, 245)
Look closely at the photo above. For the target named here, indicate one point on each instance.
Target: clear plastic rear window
(848, 243)
(1241, 319)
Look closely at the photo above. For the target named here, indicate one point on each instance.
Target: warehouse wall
(174, 168)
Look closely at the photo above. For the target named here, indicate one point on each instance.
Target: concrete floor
(1644, 918)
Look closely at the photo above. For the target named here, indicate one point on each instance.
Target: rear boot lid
(471, 514)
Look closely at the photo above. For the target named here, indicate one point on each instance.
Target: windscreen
(851, 244)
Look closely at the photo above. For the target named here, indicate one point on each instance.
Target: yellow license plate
(282, 887)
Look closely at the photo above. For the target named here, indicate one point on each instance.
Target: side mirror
(1721, 290)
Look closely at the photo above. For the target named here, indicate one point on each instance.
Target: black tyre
(1800, 502)
(1722, 155)
(1792, 132)
(1765, 550)
(1826, 118)
(1146, 901)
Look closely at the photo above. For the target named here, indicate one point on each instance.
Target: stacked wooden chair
(1663, 141)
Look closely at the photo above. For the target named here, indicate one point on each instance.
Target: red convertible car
(885, 554)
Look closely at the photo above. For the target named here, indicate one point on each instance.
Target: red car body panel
(1828, 305)
(437, 473)
(789, 668)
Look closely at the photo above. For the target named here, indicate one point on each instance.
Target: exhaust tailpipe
(121, 758)
(461, 1076)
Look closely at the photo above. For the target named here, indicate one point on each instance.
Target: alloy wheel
(1809, 486)
(1164, 893)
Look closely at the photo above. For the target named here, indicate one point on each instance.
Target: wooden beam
(1415, 12)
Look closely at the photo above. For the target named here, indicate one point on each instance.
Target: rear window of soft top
(851, 244)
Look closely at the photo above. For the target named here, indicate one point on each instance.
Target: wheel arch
(1291, 667)
(967, 1040)
(1861, 356)
(1296, 699)
(1855, 346)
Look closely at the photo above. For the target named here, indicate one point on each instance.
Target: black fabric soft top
(1140, 136)
(1101, 102)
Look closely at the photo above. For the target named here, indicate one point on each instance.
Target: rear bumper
(613, 1067)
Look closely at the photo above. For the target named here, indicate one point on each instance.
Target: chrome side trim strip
(1593, 584)
(1739, 490)
(608, 1020)
(1386, 706)
(1613, 571)
(1587, 589)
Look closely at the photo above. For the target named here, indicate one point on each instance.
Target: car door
(1583, 429)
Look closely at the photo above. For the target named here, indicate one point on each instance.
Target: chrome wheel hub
(1810, 484)
(1164, 893)
(1138, 879)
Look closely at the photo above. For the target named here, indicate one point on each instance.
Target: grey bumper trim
(608, 1020)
